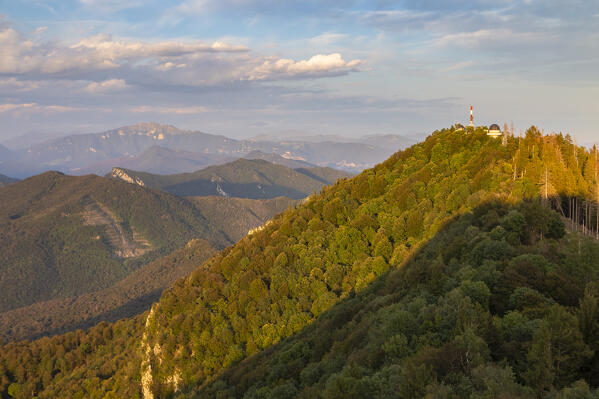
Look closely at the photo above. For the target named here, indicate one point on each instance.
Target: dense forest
(443, 271)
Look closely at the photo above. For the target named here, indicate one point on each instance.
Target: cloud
(457, 66)
(486, 37)
(183, 110)
(106, 86)
(39, 30)
(108, 63)
(33, 107)
(331, 64)
(99, 52)
(111, 5)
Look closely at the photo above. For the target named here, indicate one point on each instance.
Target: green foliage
(396, 339)
(431, 274)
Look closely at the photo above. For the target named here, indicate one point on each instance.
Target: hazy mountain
(158, 160)
(29, 139)
(99, 152)
(435, 273)
(78, 151)
(293, 135)
(5, 153)
(4, 180)
(257, 179)
(388, 141)
(277, 159)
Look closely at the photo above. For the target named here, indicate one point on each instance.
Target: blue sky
(249, 67)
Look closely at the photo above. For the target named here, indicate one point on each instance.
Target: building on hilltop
(494, 130)
(458, 127)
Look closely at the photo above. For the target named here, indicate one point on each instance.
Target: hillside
(470, 315)
(257, 179)
(237, 216)
(130, 296)
(50, 221)
(438, 271)
(62, 236)
(5, 180)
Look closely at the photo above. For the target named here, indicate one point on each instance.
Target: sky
(249, 67)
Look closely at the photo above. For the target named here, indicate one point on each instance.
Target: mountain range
(243, 178)
(462, 266)
(134, 146)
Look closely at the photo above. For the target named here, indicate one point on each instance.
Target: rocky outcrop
(122, 174)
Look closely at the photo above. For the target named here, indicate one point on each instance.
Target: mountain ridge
(83, 153)
(255, 178)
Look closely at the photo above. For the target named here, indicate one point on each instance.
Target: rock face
(122, 174)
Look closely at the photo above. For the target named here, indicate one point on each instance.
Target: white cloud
(39, 30)
(100, 52)
(317, 65)
(19, 85)
(110, 64)
(106, 86)
(485, 37)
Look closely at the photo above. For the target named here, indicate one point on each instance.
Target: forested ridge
(242, 178)
(64, 235)
(442, 270)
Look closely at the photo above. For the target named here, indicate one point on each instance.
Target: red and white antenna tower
(471, 117)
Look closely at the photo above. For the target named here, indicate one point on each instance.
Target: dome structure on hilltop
(494, 130)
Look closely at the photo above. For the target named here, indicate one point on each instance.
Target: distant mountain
(158, 160)
(293, 135)
(243, 178)
(78, 151)
(98, 152)
(5, 153)
(29, 139)
(279, 160)
(388, 141)
(4, 180)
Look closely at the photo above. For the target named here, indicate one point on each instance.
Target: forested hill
(243, 178)
(62, 236)
(438, 271)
